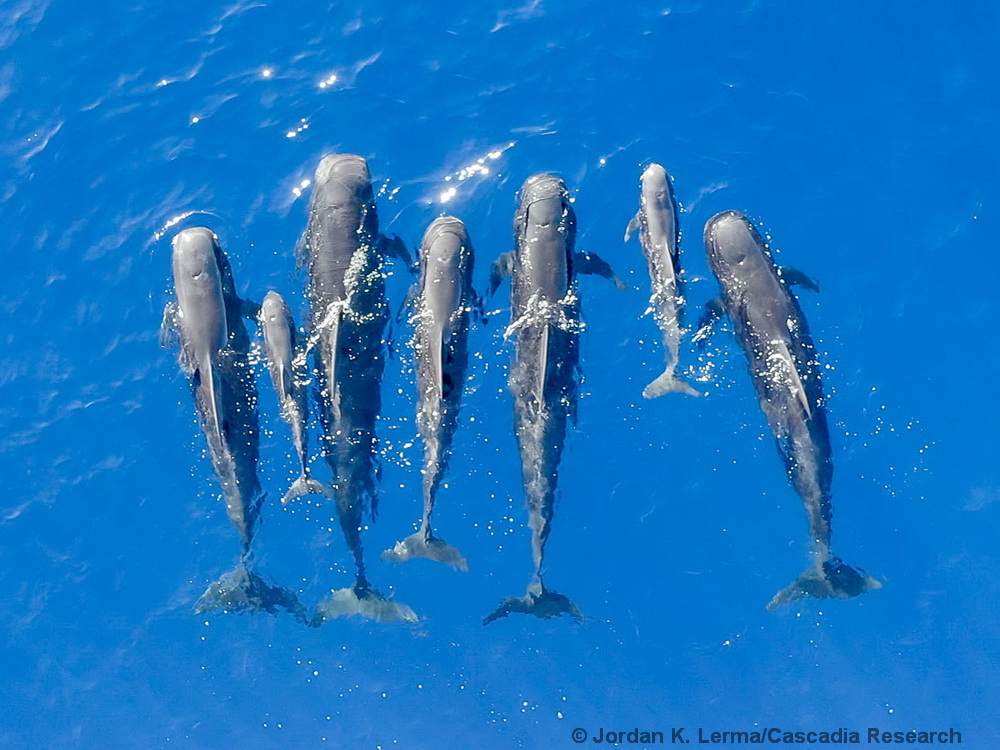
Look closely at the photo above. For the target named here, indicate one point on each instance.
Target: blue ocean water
(863, 138)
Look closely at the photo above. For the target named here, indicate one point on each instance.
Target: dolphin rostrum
(659, 236)
(284, 358)
(444, 302)
(343, 252)
(544, 378)
(207, 318)
(774, 336)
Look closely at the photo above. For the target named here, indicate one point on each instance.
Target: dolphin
(207, 319)
(444, 302)
(659, 236)
(784, 366)
(544, 374)
(281, 346)
(343, 252)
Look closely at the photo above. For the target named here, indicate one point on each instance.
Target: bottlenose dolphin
(207, 318)
(284, 358)
(774, 336)
(659, 236)
(544, 378)
(343, 252)
(444, 301)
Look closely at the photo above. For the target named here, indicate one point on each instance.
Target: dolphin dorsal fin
(800, 391)
(543, 365)
(210, 378)
(329, 336)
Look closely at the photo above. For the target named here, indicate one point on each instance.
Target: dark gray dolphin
(285, 357)
(544, 378)
(443, 304)
(784, 366)
(343, 252)
(659, 236)
(207, 319)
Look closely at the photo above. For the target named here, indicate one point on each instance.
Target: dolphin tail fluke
(241, 590)
(540, 602)
(364, 602)
(668, 383)
(305, 485)
(428, 547)
(832, 579)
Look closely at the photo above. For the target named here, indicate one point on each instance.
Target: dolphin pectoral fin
(538, 601)
(250, 310)
(409, 304)
(478, 308)
(500, 270)
(305, 485)
(592, 263)
(714, 310)
(832, 578)
(241, 590)
(168, 326)
(302, 249)
(633, 225)
(795, 277)
(428, 547)
(667, 382)
(363, 602)
(394, 247)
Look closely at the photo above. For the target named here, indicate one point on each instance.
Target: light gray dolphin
(284, 357)
(343, 252)
(207, 318)
(659, 236)
(784, 366)
(544, 377)
(443, 304)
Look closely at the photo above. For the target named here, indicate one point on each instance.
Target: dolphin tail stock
(831, 578)
(538, 601)
(242, 590)
(426, 545)
(667, 382)
(305, 485)
(364, 601)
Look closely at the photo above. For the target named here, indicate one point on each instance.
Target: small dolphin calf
(545, 320)
(207, 318)
(444, 301)
(282, 350)
(774, 336)
(343, 251)
(659, 236)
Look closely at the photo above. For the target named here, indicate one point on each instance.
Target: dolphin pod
(343, 348)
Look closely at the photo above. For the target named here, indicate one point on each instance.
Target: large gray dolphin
(284, 359)
(785, 369)
(544, 378)
(659, 236)
(343, 251)
(207, 319)
(443, 304)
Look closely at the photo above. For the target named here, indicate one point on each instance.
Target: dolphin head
(656, 184)
(194, 257)
(345, 172)
(544, 197)
(273, 309)
(731, 243)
